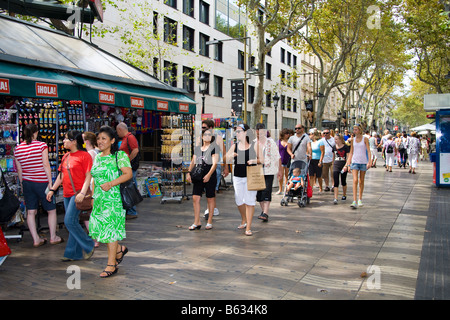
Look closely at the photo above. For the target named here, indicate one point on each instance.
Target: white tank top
(359, 152)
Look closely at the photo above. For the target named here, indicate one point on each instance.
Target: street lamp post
(203, 87)
(339, 114)
(214, 42)
(276, 98)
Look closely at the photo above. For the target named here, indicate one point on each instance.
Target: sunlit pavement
(394, 247)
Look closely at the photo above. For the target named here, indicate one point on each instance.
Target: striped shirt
(30, 159)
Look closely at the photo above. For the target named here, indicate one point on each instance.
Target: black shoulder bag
(9, 203)
(128, 192)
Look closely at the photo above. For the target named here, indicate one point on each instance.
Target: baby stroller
(300, 193)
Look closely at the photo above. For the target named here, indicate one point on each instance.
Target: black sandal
(110, 273)
(123, 254)
(264, 217)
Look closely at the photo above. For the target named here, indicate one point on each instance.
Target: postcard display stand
(176, 152)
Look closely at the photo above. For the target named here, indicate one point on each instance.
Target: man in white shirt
(327, 162)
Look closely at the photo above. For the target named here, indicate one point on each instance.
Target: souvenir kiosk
(440, 103)
(61, 83)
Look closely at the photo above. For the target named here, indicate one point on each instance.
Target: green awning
(33, 82)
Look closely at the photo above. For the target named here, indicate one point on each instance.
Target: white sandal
(208, 226)
(242, 226)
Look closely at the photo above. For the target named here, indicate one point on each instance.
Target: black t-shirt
(240, 162)
(206, 157)
(340, 157)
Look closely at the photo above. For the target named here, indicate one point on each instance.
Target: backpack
(390, 148)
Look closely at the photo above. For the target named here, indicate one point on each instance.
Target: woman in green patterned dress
(107, 221)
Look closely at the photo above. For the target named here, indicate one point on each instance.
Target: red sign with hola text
(4, 86)
(184, 107)
(137, 102)
(106, 97)
(46, 90)
(162, 105)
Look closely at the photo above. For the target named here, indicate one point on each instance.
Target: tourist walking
(242, 154)
(33, 168)
(285, 158)
(340, 167)
(107, 223)
(299, 144)
(373, 148)
(327, 167)
(73, 174)
(402, 151)
(317, 154)
(390, 150)
(206, 157)
(131, 147)
(414, 149)
(360, 161)
(267, 148)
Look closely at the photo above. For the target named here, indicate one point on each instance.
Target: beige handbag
(255, 178)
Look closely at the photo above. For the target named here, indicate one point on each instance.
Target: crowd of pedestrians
(102, 161)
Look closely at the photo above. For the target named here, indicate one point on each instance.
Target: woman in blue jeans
(74, 166)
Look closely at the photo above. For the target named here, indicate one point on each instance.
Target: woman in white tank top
(361, 160)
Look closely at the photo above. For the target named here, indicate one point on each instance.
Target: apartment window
(283, 77)
(155, 23)
(204, 12)
(218, 52)
(294, 105)
(294, 61)
(156, 67)
(268, 99)
(188, 7)
(188, 79)
(218, 86)
(289, 58)
(283, 102)
(283, 55)
(288, 79)
(204, 49)
(206, 75)
(270, 51)
(188, 38)
(241, 63)
(170, 73)
(171, 3)
(170, 31)
(289, 104)
(268, 71)
(251, 94)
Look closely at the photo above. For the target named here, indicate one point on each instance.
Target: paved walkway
(399, 239)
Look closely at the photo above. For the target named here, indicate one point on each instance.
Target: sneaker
(353, 205)
(344, 198)
(360, 204)
(335, 201)
(327, 189)
(216, 212)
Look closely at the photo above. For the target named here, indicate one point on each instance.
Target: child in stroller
(296, 181)
(298, 184)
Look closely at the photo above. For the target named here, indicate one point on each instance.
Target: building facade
(178, 35)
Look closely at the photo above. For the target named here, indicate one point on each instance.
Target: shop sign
(106, 97)
(46, 90)
(4, 86)
(162, 105)
(184, 107)
(137, 102)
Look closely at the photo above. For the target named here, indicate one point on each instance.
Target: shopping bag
(309, 190)
(255, 178)
(4, 249)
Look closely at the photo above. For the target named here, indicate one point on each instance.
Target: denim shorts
(34, 192)
(359, 166)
